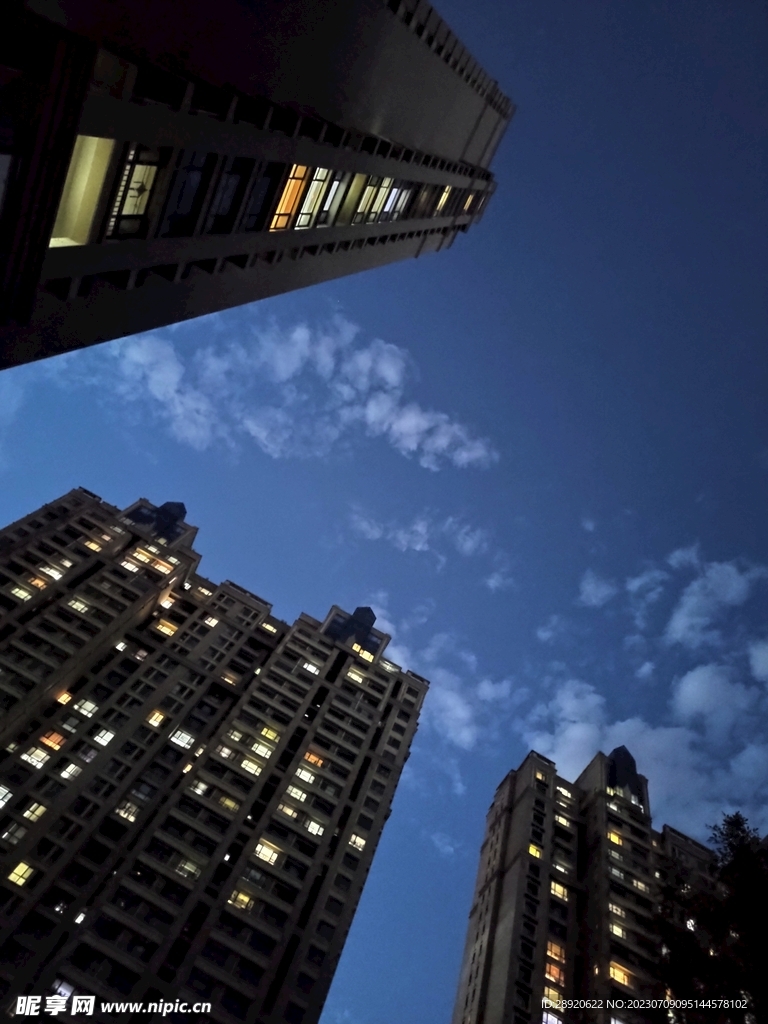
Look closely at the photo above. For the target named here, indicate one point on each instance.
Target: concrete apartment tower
(192, 791)
(565, 896)
(160, 162)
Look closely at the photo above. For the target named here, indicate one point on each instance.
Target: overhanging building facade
(565, 898)
(157, 165)
(192, 790)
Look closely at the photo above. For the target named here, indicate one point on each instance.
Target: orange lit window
(620, 974)
(556, 951)
(54, 740)
(290, 198)
(553, 973)
(313, 759)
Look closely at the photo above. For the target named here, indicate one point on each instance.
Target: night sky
(542, 456)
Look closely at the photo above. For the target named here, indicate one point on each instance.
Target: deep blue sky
(561, 516)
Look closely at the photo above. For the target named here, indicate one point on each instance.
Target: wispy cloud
(588, 524)
(718, 586)
(444, 845)
(595, 591)
(295, 392)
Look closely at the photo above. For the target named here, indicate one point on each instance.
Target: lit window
(355, 677)
(25, 596)
(558, 890)
(121, 646)
(13, 833)
(64, 698)
(307, 776)
(541, 776)
(616, 838)
(35, 756)
(127, 810)
(241, 900)
(357, 841)
(86, 708)
(6, 794)
(552, 994)
(616, 855)
(92, 545)
(202, 590)
(168, 602)
(262, 750)
(313, 759)
(35, 812)
(562, 821)
(289, 198)
(269, 627)
(229, 803)
(71, 771)
(555, 974)
(616, 929)
(551, 1018)
(616, 872)
(296, 793)
(226, 752)
(534, 850)
(235, 735)
(442, 200)
(21, 873)
(315, 828)
(309, 667)
(233, 678)
(164, 626)
(142, 555)
(690, 924)
(103, 737)
(388, 666)
(556, 951)
(87, 172)
(640, 885)
(266, 852)
(187, 869)
(564, 792)
(156, 718)
(617, 910)
(129, 566)
(313, 197)
(37, 582)
(200, 787)
(183, 739)
(287, 809)
(209, 620)
(270, 734)
(54, 740)
(252, 767)
(620, 974)
(78, 605)
(49, 571)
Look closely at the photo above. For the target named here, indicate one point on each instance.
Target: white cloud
(295, 392)
(490, 691)
(499, 580)
(553, 627)
(444, 845)
(682, 557)
(758, 660)
(719, 585)
(644, 590)
(645, 671)
(588, 524)
(594, 591)
(708, 693)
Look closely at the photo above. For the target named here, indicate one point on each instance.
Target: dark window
(135, 182)
(229, 195)
(187, 193)
(262, 197)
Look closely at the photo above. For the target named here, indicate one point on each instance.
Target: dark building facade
(192, 790)
(565, 900)
(158, 164)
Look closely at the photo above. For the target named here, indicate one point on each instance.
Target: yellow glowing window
(617, 910)
(252, 767)
(187, 869)
(22, 593)
(616, 929)
(141, 556)
(534, 850)
(127, 810)
(64, 698)
(355, 677)
(241, 900)
(262, 750)
(556, 951)
(558, 890)
(313, 759)
(156, 718)
(552, 994)
(129, 566)
(37, 582)
(307, 776)
(287, 809)
(21, 873)
(541, 776)
(235, 735)
(164, 626)
(35, 812)
(269, 627)
(233, 678)
(35, 756)
(266, 852)
(616, 838)
(640, 885)
(270, 734)
(555, 974)
(296, 793)
(229, 803)
(82, 190)
(92, 545)
(620, 974)
(562, 821)
(313, 197)
(290, 198)
(468, 201)
(54, 740)
(440, 204)
(379, 199)
(365, 655)
(357, 841)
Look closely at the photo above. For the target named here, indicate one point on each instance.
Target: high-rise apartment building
(192, 791)
(562, 922)
(157, 164)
